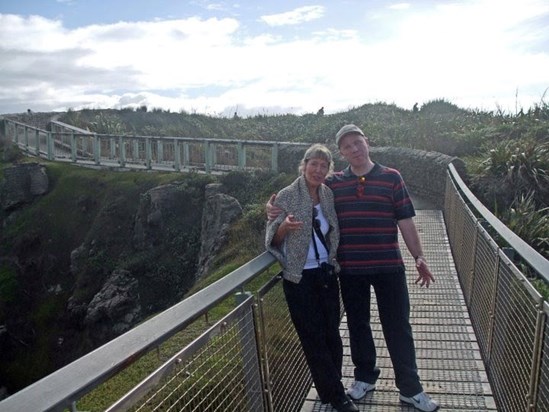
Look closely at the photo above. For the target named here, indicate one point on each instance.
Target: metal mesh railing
(508, 315)
(481, 299)
(514, 337)
(250, 360)
(219, 371)
(281, 351)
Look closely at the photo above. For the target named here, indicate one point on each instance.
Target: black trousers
(394, 312)
(315, 311)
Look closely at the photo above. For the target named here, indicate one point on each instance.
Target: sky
(272, 57)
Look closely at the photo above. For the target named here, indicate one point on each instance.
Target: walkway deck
(449, 361)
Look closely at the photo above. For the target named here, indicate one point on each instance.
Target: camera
(327, 269)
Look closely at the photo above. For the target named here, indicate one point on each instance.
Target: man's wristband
(419, 257)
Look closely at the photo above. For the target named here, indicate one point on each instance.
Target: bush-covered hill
(507, 154)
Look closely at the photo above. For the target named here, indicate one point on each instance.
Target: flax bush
(529, 223)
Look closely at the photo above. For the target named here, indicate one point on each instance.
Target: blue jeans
(394, 312)
(315, 311)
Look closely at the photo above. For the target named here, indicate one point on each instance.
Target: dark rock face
(115, 308)
(21, 184)
(136, 253)
(220, 210)
(155, 207)
(124, 297)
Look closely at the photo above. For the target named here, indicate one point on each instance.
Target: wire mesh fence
(508, 315)
(250, 360)
(287, 377)
(219, 371)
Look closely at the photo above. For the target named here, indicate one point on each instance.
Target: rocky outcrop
(220, 210)
(115, 309)
(123, 300)
(22, 183)
(154, 208)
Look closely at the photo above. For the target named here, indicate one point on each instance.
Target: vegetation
(507, 155)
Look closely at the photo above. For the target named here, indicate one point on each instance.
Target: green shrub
(529, 223)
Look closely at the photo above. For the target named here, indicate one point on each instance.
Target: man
(372, 204)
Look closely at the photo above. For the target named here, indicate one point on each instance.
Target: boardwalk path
(448, 357)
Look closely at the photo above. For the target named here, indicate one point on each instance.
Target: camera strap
(321, 237)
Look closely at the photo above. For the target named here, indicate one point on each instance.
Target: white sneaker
(359, 389)
(421, 401)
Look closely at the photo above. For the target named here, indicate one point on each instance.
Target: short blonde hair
(317, 151)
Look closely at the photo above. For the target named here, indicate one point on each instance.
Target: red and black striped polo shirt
(368, 208)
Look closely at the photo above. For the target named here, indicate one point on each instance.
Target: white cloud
(475, 54)
(400, 6)
(297, 16)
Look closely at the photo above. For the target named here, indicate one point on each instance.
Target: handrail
(66, 385)
(527, 252)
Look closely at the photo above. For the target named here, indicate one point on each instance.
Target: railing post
(176, 155)
(85, 144)
(148, 152)
(135, 149)
(16, 133)
(274, 158)
(122, 148)
(186, 155)
(37, 142)
(96, 149)
(207, 157)
(4, 128)
(73, 147)
(26, 139)
(241, 154)
(159, 151)
(249, 345)
(537, 354)
(262, 344)
(112, 143)
(50, 146)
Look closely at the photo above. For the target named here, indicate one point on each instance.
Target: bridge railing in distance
(508, 314)
(63, 142)
(250, 360)
(31, 140)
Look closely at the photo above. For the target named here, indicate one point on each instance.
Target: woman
(304, 239)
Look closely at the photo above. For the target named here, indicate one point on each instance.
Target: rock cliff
(137, 254)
